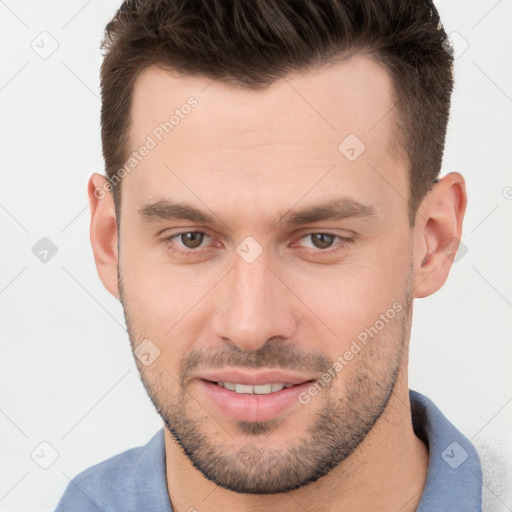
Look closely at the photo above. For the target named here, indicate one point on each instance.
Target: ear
(438, 230)
(103, 231)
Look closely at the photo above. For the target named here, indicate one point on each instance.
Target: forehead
(355, 94)
(285, 137)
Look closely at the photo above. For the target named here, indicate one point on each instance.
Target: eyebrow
(335, 209)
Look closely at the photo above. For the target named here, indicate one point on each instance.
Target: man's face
(249, 297)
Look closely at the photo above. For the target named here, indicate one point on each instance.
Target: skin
(247, 157)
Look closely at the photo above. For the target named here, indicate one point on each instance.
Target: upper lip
(254, 378)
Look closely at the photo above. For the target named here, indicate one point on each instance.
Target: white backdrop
(67, 377)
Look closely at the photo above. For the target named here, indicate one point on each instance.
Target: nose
(255, 305)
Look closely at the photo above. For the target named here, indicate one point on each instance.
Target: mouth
(257, 389)
(259, 396)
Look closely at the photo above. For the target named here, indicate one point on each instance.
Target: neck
(387, 471)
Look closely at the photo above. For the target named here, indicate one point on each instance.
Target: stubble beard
(336, 429)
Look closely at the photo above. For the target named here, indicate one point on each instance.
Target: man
(272, 206)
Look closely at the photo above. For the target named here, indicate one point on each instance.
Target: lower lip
(245, 407)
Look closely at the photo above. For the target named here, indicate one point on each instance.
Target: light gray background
(67, 376)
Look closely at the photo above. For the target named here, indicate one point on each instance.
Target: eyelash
(168, 242)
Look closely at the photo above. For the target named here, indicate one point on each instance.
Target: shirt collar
(151, 478)
(454, 479)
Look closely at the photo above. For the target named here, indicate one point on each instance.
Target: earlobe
(103, 231)
(437, 233)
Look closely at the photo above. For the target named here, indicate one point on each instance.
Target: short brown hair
(255, 42)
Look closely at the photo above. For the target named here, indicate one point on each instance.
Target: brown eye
(323, 244)
(322, 240)
(186, 243)
(192, 239)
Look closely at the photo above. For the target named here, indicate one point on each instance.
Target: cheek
(351, 296)
(169, 304)
(157, 287)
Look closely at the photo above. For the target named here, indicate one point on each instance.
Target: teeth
(259, 389)
(263, 389)
(244, 388)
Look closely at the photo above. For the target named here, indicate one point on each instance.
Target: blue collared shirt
(135, 480)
